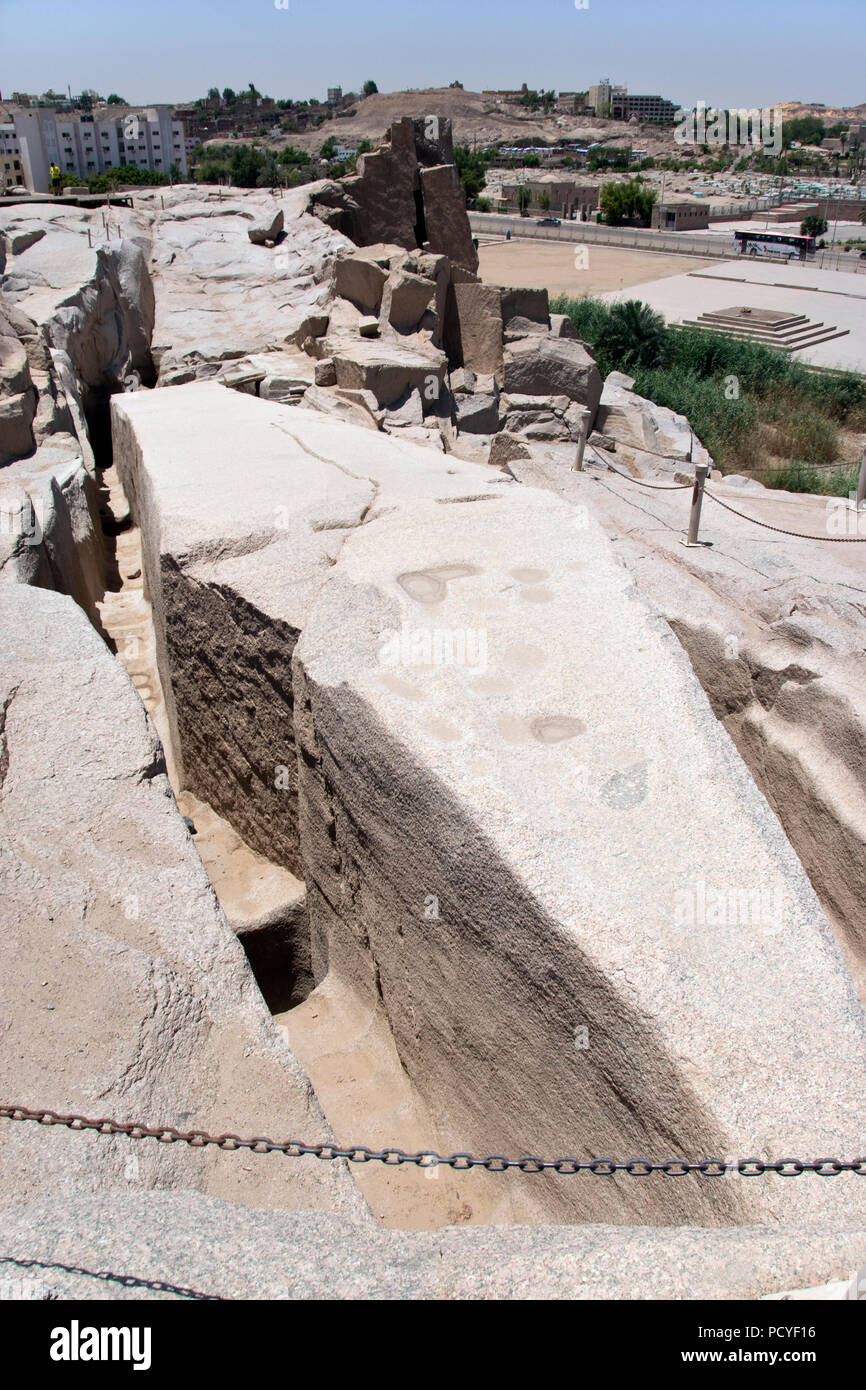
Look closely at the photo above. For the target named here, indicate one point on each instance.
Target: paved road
(721, 247)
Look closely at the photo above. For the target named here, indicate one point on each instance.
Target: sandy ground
(556, 267)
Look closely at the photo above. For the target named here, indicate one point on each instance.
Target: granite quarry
(368, 775)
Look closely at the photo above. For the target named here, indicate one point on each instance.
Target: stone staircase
(774, 328)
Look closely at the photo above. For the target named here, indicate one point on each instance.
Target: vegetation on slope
(755, 408)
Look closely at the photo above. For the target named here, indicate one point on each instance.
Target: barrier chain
(460, 1162)
(701, 491)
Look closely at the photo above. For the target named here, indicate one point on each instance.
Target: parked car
(547, 222)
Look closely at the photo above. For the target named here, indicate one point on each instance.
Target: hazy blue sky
(734, 52)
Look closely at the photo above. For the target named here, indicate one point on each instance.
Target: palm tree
(634, 335)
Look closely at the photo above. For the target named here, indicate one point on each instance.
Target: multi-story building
(11, 169)
(617, 102)
(602, 97)
(571, 103)
(645, 108)
(335, 96)
(83, 144)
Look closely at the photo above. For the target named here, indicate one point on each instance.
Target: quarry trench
(344, 1045)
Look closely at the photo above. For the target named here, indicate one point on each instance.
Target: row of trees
(809, 130)
(124, 175)
(251, 93)
(246, 166)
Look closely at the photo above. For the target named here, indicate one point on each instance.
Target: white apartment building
(83, 144)
(11, 168)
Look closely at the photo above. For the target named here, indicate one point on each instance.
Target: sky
(730, 53)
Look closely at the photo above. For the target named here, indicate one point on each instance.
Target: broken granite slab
(267, 229)
(546, 855)
(234, 556)
(640, 428)
(549, 366)
(123, 990)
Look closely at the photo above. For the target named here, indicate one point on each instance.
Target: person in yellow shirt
(56, 179)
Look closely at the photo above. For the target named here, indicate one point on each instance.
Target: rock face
(409, 300)
(231, 586)
(406, 192)
(111, 932)
(82, 318)
(489, 782)
(361, 281)
(17, 396)
(537, 366)
(448, 230)
(49, 524)
(446, 763)
(475, 338)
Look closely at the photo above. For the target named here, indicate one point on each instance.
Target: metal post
(861, 487)
(577, 466)
(697, 500)
(89, 238)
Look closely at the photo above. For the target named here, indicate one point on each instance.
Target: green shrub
(798, 477)
(745, 401)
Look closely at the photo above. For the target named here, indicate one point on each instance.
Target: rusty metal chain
(676, 487)
(460, 1162)
(800, 535)
(641, 482)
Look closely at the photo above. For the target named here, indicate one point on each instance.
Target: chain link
(673, 487)
(460, 1162)
(800, 535)
(641, 482)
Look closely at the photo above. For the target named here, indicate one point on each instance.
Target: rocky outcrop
(647, 438)
(17, 396)
(433, 710)
(550, 366)
(111, 933)
(599, 1005)
(406, 192)
(220, 297)
(49, 524)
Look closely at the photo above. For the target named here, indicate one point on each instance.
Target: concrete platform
(833, 297)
